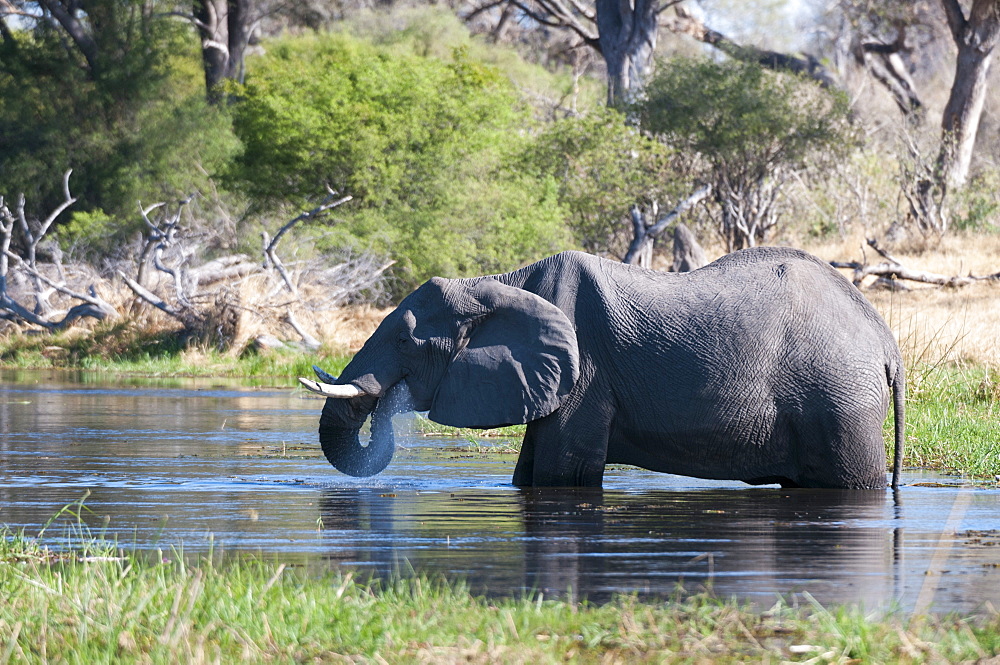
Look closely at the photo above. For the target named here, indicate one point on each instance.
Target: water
(198, 464)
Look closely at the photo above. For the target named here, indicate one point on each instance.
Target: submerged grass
(76, 607)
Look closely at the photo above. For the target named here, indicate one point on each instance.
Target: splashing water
(397, 400)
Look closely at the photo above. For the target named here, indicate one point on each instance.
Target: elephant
(766, 366)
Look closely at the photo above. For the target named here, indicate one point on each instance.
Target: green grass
(953, 421)
(125, 349)
(97, 603)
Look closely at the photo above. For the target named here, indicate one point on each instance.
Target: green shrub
(425, 145)
(977, 206)
(603, 167)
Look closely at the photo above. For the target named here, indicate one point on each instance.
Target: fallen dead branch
(211, 299)
(28, 272)
(892, 269)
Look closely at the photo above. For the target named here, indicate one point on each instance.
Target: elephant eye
(404, 341)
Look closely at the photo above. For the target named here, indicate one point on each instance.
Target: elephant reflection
(590, 543)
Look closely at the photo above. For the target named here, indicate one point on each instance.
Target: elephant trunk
(338, 435)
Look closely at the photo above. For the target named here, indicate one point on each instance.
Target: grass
(95, 602)
(124, 349)
(953, 422)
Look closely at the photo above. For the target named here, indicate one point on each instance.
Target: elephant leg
(524, 472)
(561, 451)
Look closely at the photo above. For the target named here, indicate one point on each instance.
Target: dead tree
(271, 244)
(640, 251)
(925, 191)
(168, 249)
(205, 298)
(890, 270)
(40, 286)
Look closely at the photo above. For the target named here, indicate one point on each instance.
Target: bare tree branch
(271, 244)
(687, 23)
(892, 269)
(643, 236)
(105, 310)
(150, 297)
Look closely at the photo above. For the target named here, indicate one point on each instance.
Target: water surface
(195, 464)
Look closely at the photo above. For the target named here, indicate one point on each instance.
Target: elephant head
(474, 353)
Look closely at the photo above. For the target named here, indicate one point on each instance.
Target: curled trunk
(339, 427)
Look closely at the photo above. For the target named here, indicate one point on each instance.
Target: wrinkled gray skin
(766, 366)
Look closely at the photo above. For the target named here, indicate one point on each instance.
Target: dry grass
(936, 324)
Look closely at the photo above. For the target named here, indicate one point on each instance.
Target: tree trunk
(224, 27)
(976, 37)
(627, 37)
(65, 14)
(688, 254)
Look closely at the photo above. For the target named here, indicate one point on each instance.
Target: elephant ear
(515, 361)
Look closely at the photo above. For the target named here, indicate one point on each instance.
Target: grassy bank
(96, 603)
(953, 421)
(125, 349)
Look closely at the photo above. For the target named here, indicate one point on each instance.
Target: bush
(425, 146)
(604, 167)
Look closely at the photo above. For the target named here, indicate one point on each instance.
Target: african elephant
(766, 366)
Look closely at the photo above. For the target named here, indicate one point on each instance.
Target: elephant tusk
(323, 376)
(345, 391)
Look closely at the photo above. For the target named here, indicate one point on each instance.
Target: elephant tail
(897, 380)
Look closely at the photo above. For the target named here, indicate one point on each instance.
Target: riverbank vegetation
(165, 204)
(114, 605)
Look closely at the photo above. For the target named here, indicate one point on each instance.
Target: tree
(109, 88)
(225, 28)
(624, 33)
(881, 34)
(746, 128)
(603, 166)
(976, 37)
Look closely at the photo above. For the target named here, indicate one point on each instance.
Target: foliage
(603, 167)
(423, 144)
(134, 126)
(744, 127)
(435, 31)
(735, 112)
(977, 205)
